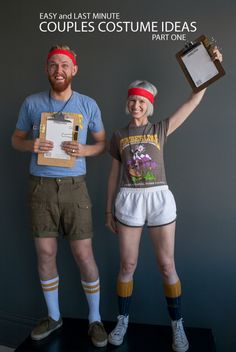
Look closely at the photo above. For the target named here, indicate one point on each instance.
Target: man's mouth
(59, 78)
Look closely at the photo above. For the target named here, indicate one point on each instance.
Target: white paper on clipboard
(199, 65)
(58, 132)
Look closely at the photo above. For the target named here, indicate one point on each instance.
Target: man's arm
(99, 146)
(21, 143)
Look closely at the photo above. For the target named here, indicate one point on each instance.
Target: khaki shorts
(60, 203)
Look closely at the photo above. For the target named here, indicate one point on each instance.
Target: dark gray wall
(199, 161)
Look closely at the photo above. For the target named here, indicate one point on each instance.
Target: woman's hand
(216, 54)
(111, 223)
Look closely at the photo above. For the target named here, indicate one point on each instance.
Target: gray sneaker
(44, 328)
(117, 335)
(98, 334)
(180, 342)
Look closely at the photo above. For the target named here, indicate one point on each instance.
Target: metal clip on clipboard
(58, 117)
(189, 46)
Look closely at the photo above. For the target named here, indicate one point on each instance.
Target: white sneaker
(180, 342)
(116, 337)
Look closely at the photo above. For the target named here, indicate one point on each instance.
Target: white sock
(50, 291)
(92, 292)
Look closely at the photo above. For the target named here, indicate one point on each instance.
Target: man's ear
(75, 70)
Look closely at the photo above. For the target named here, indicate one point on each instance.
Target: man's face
(60, 70)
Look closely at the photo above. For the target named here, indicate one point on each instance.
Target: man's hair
(147, 86)
(64, 47)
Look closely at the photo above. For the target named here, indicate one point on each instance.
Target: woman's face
(137, 107)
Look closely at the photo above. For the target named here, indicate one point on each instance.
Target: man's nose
(58, 69)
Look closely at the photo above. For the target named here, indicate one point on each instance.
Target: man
(58, 196)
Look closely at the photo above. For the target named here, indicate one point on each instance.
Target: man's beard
(58, 86)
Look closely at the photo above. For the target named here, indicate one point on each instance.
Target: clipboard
(59, 128)
(196, 62)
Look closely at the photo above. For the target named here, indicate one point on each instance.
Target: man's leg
(83, 254)
(46, 249)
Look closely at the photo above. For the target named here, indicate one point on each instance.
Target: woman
(144, 197)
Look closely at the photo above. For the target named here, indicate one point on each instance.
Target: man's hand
(41, 146)
(74, 148)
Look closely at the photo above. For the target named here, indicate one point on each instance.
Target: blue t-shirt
(29, 120)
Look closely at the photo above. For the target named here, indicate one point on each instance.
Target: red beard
(58, 86)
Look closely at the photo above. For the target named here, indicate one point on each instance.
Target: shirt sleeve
(163, 127)
(114, 147)
(24, 122)
(95, 122)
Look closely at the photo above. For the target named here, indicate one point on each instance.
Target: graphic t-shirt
(140, 150)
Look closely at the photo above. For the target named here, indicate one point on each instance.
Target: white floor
(6, 349)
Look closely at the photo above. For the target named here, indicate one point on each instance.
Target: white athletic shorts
(152, 205)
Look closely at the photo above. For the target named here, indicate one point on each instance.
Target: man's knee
(83, 252)
(46, 254)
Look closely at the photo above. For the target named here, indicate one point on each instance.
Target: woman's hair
(144, 85)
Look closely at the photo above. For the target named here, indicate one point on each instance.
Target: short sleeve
(95, 122)
(24, 122)
(162, 129)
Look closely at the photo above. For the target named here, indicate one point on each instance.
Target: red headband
(64, 52)
(143, 92)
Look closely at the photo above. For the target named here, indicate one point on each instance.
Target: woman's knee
(127, 268)
(167, 269)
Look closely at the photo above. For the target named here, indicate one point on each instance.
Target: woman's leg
(163, 239)
(129, 239)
